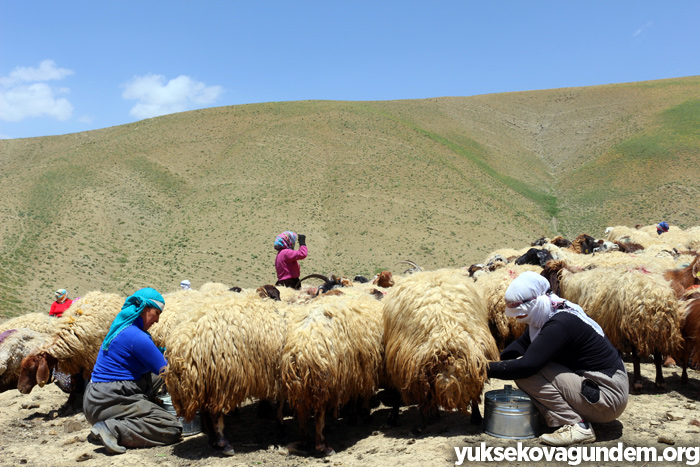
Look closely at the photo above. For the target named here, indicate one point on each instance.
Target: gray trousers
(557, 393)
(127, 409)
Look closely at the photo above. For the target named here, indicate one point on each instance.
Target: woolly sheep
(685, 278)
(647, 237)
(40, 322)
(437, 342)
(75, 342)
(637, 310)
(177, 305)
(504, 255)
(180, 303)
(214, 288)
(15, 344)
(224, 351)
(333, 355)
(618, 259)
(583, 244)
(492, 288)
(690, 329)
(627, 234)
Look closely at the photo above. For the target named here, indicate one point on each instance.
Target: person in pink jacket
(287, 260)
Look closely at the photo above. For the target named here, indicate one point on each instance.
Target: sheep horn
(317, 276)
(411, 263)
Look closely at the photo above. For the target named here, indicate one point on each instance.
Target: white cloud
(24, 93)
(33, 100)
(156, 97)
(47, 71)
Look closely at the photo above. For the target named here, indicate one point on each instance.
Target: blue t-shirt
(131, 355)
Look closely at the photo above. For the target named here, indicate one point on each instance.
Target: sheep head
(561, 242)
(35, 369)
(552, 272)
(269, 291)
(384, 279)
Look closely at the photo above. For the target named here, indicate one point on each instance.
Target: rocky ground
(33, 434)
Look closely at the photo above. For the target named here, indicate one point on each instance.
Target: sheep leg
(393, 419)
(658, 362)
(365, 411)
(321, 446)
(352, 410)
(264, 408)
(425, 409)
(394, 399)
(359, 408)
(637, 372)
(279, 420)
(305, 443)
(74, 404)
(476, 417)
(684, 364)
(214, 425)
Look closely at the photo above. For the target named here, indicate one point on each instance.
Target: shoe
(101, 431)
(94, 439)
(568, 435)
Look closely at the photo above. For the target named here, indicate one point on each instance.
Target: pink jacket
(286, 262)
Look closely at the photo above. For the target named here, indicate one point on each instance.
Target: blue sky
(69, 66)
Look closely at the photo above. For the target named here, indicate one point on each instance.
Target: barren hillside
(201, 195)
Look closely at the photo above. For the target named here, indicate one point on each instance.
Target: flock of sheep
(426, 336)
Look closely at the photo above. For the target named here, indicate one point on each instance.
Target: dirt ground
(33, 434)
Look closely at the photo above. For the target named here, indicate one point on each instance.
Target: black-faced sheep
(437, 342)
(268, 291)
(535, 256)
(584, 244)
(329, 282)
(558, 241)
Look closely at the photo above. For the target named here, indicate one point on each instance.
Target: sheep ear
(43, 371)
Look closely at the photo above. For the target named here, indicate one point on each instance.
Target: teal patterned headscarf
(285, 240)
(132, 308)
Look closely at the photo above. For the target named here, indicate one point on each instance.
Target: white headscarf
(537, 306)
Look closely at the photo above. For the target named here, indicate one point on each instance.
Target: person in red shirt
(61, 304)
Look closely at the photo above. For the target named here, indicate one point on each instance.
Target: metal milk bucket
(188, 428)
(509, 413)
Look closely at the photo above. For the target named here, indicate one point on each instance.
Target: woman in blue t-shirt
(119, 399)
